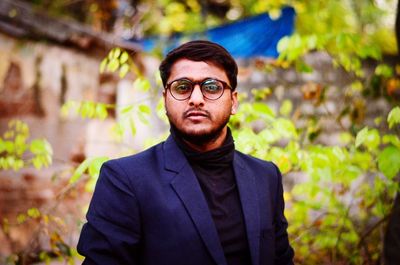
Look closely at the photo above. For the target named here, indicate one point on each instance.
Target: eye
(212, 86)
(181, 86)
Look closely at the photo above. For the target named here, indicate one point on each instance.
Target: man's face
(198, 118)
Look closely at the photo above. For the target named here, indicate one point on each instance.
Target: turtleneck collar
(218, 157)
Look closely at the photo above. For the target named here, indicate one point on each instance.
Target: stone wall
(302, 89)
(35, 80)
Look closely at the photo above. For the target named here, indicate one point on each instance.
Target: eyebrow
(190, 79)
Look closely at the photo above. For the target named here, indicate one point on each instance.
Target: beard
(201, 137)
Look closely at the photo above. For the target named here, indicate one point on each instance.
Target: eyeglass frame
(200, 83)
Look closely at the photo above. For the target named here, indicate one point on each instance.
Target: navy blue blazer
(149, 209)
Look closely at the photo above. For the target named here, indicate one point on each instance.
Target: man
(192, 199)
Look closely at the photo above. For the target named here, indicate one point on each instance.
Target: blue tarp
(250, 37)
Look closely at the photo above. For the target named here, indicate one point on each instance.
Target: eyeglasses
(182, 89)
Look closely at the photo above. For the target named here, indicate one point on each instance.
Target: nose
(196, 98)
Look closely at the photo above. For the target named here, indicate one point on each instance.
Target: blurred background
(319, 90)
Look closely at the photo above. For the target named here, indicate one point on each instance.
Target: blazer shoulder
(257, 163)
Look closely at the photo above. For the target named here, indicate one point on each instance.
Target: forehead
(196, 71)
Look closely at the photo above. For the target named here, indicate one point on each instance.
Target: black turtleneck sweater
(215, 174)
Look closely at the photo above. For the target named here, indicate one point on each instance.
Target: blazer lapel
(250, 206)
(188, 189)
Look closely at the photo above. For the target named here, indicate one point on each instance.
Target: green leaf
(389, 161)
(113, 65)
(90, 185)
(378, 121)
(37, 162)
(18, 164)
(69, 106)
(132, 126)
(338, 153)
(103, 65)
(144, 109)
(145, 85)
(394, 117)
(160, 110)
(9, 147)
(21, 218)
(357, 85)
(33, 212)
(384, 70)
(42, 151)
(124, 57)
(285, 128)
(88, 109)
(261, 93)
(2, 146)
(117, 52)
(111, 54)
(20, 140)
(47, 147)
(283, 44)
(142, 84)
(95, 165)
(126, 109)
(37, 146)
(302, 67)
(286, 107)
(123, 70)
(392, 139)
(345, 137)
(269, 136)
(43, 256)
(80, 170)
(264, 109)
(101, 111)
(83, 110)
(3, 163)
(118, 131)
(368, 138)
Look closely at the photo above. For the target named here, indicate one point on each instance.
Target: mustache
(188, 112)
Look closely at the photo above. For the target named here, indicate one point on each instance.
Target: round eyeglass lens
(181, 89)
(212, 89)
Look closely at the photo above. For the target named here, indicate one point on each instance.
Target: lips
(194, 114)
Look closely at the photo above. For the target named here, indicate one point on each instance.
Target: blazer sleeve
(283, 251)
(112, 233)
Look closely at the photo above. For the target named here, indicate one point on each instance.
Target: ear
(165, 101)
(164, 93)
(234, 102)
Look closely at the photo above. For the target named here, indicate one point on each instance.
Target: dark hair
(201, 50)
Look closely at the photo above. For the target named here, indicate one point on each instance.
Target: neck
(209, 145)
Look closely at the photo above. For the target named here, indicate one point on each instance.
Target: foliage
(43, 222)
(317, 24)
(317, 21)
(118, 60)
(16, 152)
(342, 191)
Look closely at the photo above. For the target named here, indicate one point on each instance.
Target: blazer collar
(247, 187)
(188, 189)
